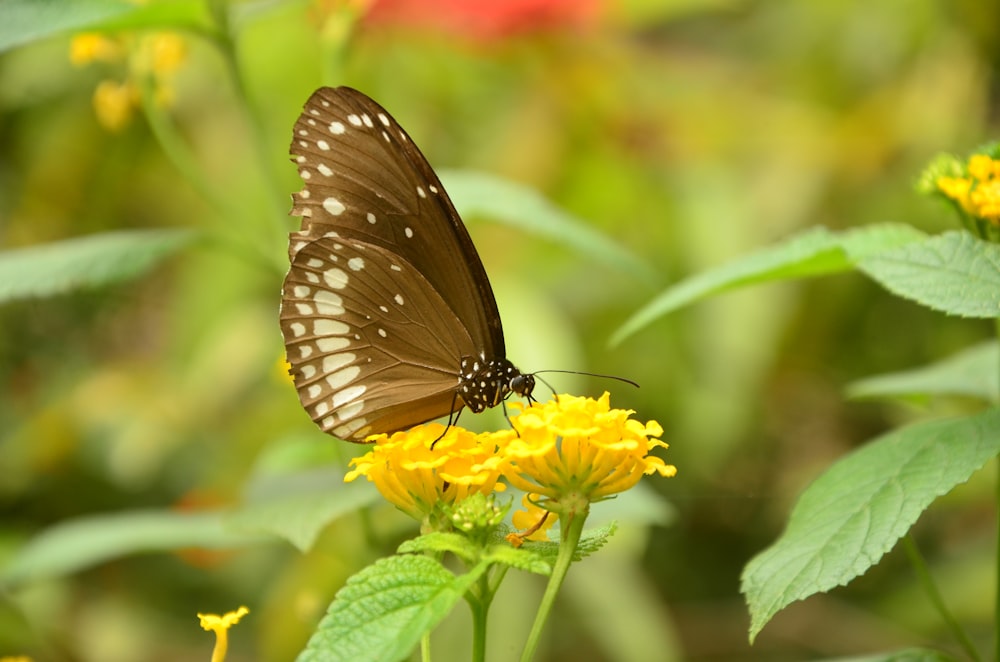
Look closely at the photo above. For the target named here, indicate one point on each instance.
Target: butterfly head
(523, 385)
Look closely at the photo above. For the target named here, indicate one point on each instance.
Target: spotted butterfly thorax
(388, 317)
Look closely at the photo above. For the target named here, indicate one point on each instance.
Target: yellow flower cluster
(415, 477)
(570, 448)
(979, 192)
(151, 59)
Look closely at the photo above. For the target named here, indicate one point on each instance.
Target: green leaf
(856, 511)
(522, 207)
(522, 559)
(30, 20)
(381, 613)
(441, 541)
(954, 273)
(906, 655)
(974, 372)
(78, 544)
(591, 541)
(84, 262)
(298, 506)
(811, 253)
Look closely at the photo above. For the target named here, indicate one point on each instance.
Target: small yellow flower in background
(151, 60)
(978, 191)
(163, 53)
(415, 477)
(16, 658)
(580, 447)
(220, 625)
(92, 47)
(113, 104)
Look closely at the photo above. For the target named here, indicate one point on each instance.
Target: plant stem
(572, 527)
(930, 588)
(996, 588)
(480, 610)
(425, 647)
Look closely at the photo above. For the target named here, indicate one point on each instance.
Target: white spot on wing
(304, 309)
(323, 145)
(324, 169)
(351, 410)
(399, 299)
(297, 329)
(329, 328)
(335, 278)
(335, 362)
(334, 206)
(332, 344)
(371, 218)
(351, 393)
(337, 128)
(409, 232)
(301, 291)
(328, 303)
(354, 119)
(356, 264)
(340, 379)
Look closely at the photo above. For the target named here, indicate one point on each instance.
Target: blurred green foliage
(689, 132)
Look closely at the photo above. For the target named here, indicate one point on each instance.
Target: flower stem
(425, 647)
(930, 588)
(996, 607)
(480, 609)
(996, 588)
(571, 525)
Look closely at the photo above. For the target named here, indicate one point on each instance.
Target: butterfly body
(388, 316)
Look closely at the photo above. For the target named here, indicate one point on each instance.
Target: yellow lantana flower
(978, 192)
(220, 625)
(415, 477)
(580, 448)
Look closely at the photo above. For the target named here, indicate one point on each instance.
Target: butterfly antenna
(588, 374)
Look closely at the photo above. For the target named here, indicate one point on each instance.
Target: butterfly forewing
(365, 178)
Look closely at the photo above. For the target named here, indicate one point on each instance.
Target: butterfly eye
(388, 316)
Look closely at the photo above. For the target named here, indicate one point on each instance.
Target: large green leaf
(84, 262)
(905, 655)
(25, 21)
(298, 506)
(811, 253)
(856, 511)
(381, 613)
(954, 273)
(78, 544)
(519, 206)
(974, 372)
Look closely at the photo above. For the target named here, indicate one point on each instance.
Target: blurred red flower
(485, 19)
